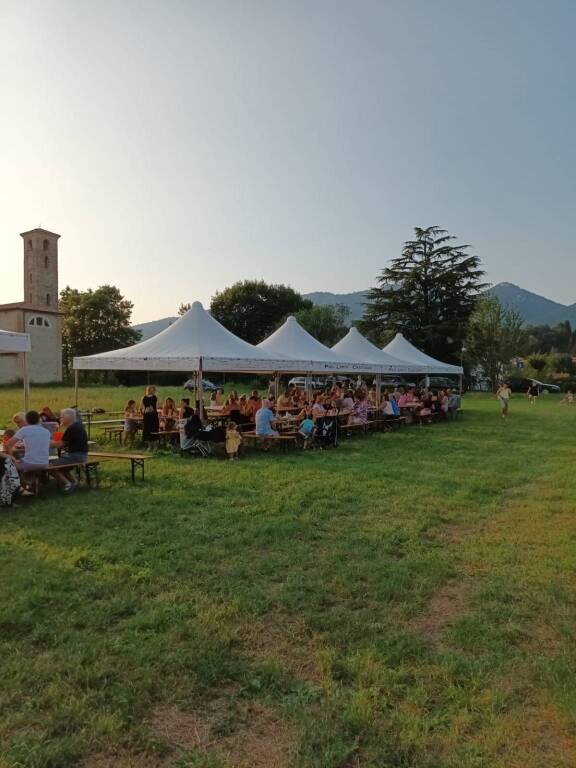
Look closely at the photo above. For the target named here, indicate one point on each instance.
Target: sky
(180, 146)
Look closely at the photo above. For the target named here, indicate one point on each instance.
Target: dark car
(522, 385)
(439, 382)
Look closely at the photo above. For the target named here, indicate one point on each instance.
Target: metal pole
(76, 372)
(378, 389)
(276, 385)
(26, 381)
(200, 391)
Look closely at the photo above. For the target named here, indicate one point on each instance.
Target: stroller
(327, 431)
(196, 441)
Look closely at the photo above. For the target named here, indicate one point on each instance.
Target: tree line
(433, 292)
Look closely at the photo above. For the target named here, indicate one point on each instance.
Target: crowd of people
(353, 402)
(41, 440)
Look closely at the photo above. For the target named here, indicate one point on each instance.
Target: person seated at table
(253, 404)
(318, 408)
(404, 400)
(360, 410)
(36, 441)
(19, 419)
(265, 420)
(426, 409)
(185, 410)
(271, 403)
(444, 401)
(306, 428)
(348, 401)
(233, 441)
(285, 400)
(74, 449)
(232, 407)
(131, 420)
(46, 415)
(7, 436)
(168, 415)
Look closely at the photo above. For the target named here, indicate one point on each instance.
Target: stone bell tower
(41, 268)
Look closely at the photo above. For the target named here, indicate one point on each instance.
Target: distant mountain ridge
(534, 309)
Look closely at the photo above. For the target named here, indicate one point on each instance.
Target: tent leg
(200, 391)
(378, 390)
(460, 383)
(276, 385)
(76, 388)
(26, 380)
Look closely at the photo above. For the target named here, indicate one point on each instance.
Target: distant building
(38, 314)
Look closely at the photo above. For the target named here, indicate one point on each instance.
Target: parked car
(207, 385)
(521, 385)
(396, 381)
(300, 382)
(439, 382)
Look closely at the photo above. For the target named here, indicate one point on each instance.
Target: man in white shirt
(36, 441)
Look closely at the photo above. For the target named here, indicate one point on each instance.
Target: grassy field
(408, 600)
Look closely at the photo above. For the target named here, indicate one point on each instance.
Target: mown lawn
(408, 600)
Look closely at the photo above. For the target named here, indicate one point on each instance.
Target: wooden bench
(349, 429)
(167, 436)
(89, 467)
(286, 439)
(113, 433)
(137, 460)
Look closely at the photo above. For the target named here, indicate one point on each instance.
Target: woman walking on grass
(503, 394)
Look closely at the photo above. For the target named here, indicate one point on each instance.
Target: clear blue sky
(178, 146)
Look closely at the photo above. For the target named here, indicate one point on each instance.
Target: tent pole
(378, 389)
(460, 383)
(276, 384)
(26, 381)
(200, 392)
(76, 372)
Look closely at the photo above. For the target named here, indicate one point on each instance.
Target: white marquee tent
(18, 343)
(295, 342)
(196, 342)
(402, 348)
(354, 346)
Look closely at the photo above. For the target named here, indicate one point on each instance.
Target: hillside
(534, 309)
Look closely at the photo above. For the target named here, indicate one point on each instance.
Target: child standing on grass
(503, 395)
(233, 441)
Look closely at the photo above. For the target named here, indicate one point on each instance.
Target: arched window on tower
(45, 245)
(30, 244)
(46, 261)
(48, 299)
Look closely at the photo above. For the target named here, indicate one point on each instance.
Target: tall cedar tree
(427, 293)
(95, 321)
(252, 309)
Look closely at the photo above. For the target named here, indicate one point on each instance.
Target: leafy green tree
(564, 364)
(183, 308)
(538, 362)
(252, 309)
(557, 338)
(95, 321)
(495, 336)
(326, 323)
(428, 293)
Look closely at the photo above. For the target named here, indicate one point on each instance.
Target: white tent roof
(194, 340)
(402, 348)
(14, 342)
(354, 346)
(293, 340)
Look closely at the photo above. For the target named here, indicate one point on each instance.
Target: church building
(38, 314)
